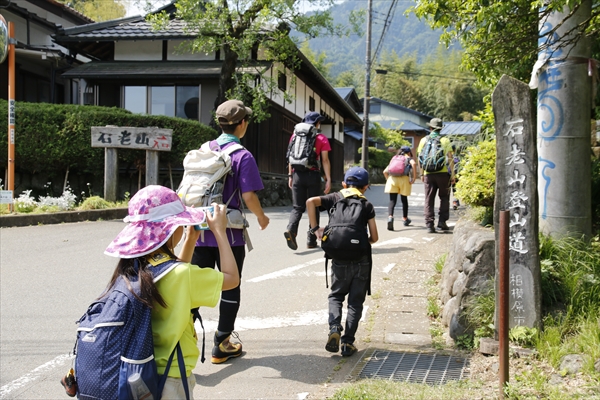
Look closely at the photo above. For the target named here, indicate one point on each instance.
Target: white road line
(33, 375)
(309, 318)
(389, 267)
(398, 240)
(286, 271)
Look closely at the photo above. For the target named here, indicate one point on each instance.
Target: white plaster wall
(174, 53)
(301, 98)
(138, 50)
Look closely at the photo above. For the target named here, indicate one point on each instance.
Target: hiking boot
(442, 225)
(430, 229)
(333, 340)
(225, 349)
(390, 226)
(291, 240)
(311, 240)
(348, 349)
(407, 222)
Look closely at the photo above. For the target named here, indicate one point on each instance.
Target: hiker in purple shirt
(233, 117)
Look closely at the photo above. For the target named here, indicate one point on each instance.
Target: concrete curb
(7, 221)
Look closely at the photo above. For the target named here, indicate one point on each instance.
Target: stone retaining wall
(468, 271)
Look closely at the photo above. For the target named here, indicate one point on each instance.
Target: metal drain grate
(432, 369)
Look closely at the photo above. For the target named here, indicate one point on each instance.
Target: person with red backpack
(399, 175)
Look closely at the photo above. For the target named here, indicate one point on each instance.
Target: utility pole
(563, 127)
(365, 139)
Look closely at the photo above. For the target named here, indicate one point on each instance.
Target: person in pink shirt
(305, 182)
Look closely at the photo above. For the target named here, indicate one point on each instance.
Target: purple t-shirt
(245, 177)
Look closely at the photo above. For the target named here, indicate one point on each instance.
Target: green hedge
(57, 137)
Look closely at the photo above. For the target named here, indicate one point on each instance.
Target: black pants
(305, 184)
(394, 200)
(208, 257)
(349, 278)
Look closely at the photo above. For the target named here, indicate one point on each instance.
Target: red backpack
(399, 165)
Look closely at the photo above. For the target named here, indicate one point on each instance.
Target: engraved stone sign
(516, 191)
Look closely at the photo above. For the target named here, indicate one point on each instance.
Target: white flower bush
(25, 203)
(65, 202)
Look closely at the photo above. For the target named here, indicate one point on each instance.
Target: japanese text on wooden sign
(156, 139)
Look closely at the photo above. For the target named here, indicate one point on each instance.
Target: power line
(386, 25)
(421, 74)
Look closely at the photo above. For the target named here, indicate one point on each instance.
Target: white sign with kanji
(151, 138)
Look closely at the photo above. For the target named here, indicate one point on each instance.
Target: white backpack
(205, 171)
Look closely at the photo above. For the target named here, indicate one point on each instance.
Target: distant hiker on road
(157, 223)
(233, 117)
(433, 153)
(400, 174)
(347, 241)
(307, 151)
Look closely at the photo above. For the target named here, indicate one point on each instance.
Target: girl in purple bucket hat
(157, 222)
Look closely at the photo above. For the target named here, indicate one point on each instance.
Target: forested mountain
(406, 35)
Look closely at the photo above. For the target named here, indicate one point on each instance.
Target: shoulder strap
(232, 149)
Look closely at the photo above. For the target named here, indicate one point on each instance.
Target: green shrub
(94, 203)
(378, 158)
(570, 276)
(596, 195)
(476, 180)
(56, 137)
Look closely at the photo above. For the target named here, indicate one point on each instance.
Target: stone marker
(516, 191)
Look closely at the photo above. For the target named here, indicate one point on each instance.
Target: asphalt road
(50, 274)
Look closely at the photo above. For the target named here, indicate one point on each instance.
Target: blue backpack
(114, 352)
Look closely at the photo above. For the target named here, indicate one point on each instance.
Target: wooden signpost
(151, 139)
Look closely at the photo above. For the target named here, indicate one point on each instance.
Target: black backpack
(432, 157)
(302, 152)
(345, 237)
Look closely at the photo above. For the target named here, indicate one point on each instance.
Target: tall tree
(99, 10)
(241, 29)
(318, 60)
(499, 36)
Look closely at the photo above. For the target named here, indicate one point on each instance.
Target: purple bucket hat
(155, 212)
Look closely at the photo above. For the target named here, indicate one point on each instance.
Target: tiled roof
(146, 69)
(124, 29)
(403, 125)
(357, 135)
(461, 128)
(344, 92)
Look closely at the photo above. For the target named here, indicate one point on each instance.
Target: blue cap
(405, 149)
(312, 118)
(357, 176)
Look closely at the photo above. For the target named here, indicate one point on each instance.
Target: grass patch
(381, 389)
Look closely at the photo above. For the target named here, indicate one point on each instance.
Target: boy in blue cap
(348, 277)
